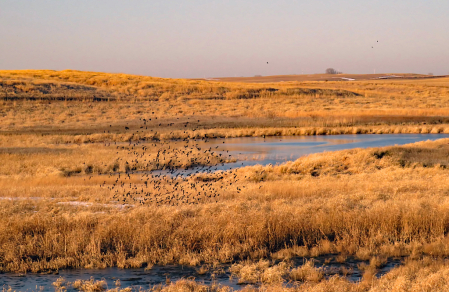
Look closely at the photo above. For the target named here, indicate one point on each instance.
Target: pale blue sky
(200, 38)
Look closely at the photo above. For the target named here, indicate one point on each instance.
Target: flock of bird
(170, 172)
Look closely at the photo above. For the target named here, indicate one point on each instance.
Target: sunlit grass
(60, 157)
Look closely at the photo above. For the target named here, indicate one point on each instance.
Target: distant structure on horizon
(332, 71)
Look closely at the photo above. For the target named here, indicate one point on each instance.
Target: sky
(210, 38)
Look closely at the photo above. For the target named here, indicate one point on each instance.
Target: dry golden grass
(386, 202)
(260, 272)
(23, 88)
(57, 146)
(300, 104)
(91, 285)
(87, 159)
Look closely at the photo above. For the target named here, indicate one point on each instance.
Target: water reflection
(249, 151)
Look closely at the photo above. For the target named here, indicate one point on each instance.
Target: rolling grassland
(99, 102)
(66, 137)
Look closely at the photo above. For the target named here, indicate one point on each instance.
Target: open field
(66, 136)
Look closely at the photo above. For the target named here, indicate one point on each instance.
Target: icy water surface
(145, 279)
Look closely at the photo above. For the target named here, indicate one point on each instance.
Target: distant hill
(323, 77)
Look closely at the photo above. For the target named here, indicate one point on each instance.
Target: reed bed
(389, 202)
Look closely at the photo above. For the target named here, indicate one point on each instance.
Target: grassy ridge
(47, 82)
(27, 105)
(31, 89)
(144, 86)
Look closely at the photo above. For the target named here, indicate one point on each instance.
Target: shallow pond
(273, 150)
(250, 151)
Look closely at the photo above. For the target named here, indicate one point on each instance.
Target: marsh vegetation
(65, 137)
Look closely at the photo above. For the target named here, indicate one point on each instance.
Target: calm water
(247, 151)
(275, 150)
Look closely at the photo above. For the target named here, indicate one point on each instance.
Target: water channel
(275, 150)
(249, 151)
